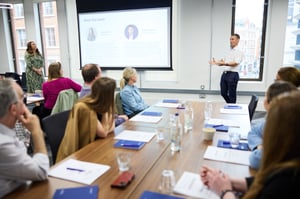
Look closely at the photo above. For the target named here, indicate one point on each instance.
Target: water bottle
(176, 134)
(188, 118)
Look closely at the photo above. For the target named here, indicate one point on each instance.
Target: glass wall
(47, 23)
(292, 35)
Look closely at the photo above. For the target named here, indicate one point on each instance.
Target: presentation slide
(116, 39)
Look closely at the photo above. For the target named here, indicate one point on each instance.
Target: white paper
(31, 99)
(227, 155)
(225, 122)
(191, 185)
(135, 136)
(168, 105)
(86, 174)
(146, 118)
(244, 110)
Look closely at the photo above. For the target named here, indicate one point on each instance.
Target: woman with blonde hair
(90, 118)
(279, 175)
(132, 100)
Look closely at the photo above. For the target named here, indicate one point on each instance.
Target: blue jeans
(229, 82)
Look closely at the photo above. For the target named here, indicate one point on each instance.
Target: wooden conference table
(147, 163)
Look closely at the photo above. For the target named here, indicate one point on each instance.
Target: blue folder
(156, 195)
(222, 128)
(86, 192)
(128, 144)
(226, 144)
(232, 107)
(152, 113)
(170, 101)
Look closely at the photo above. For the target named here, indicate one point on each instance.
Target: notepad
(227, 155)
(218, 127)
(128, 144)
(156, 195)
(86, 192)
(191, 185)
(226, 144)
(78, 171)
(152, 113)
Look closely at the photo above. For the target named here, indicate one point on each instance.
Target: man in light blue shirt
(16, 166)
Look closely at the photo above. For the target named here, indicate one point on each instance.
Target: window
(292, 37)
(50, 37)
(47, 8)
(249, 21)
(18, 10)
(21, 34)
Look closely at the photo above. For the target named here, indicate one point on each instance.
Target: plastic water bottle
(176, 134)
(188, 118)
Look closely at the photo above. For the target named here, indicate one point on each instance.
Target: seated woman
(91, 117)
(132, 100)
(56, 83)
(255, 135)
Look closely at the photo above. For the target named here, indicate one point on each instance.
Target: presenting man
(230, 76)
(16, 166)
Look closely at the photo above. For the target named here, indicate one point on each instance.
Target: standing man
(230, 76)
(16, 166)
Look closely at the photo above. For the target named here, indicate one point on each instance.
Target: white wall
(201, 30)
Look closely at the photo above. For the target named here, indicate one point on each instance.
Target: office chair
(252, 105)
(118, 103)
(14, 76)
(24, 82)
(54, 126)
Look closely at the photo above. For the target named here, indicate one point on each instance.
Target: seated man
(16, 166)
(90, 73)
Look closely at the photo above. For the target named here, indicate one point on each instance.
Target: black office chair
(14, 76)
(24, 82)
(252, 105)
(54, 127)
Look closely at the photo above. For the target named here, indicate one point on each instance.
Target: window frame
(263, 38)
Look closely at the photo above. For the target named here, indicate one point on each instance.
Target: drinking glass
(123, 160)
(234, 137)
(167, 182)
(207, 110)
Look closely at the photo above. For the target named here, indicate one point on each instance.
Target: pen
(217, 125)
(130, 145)
(74, 169)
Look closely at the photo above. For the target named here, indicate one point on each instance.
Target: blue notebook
(232, 107)
(226, 144)
(86, 192)
(128, 144)
(152, 113)
(170, 101)
(156, 195)
(222, 128)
